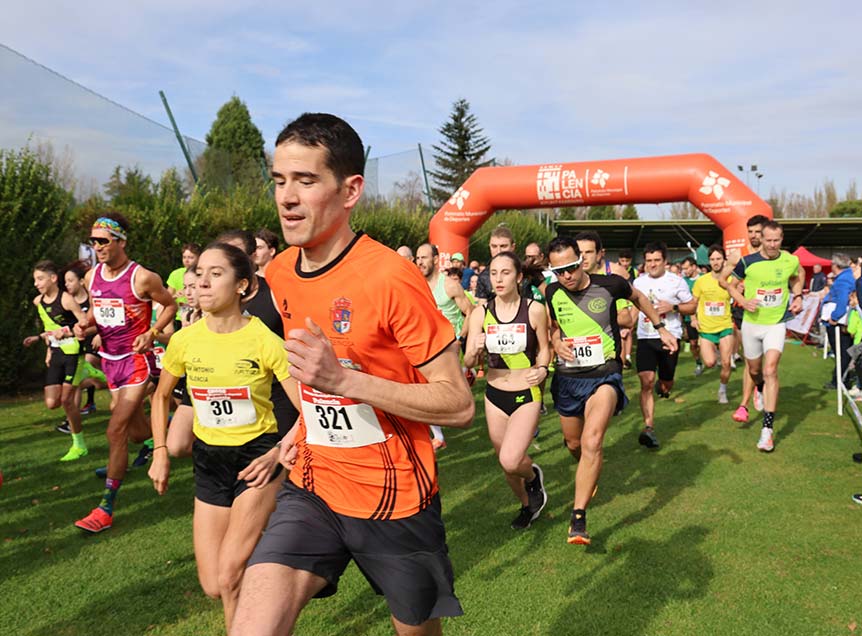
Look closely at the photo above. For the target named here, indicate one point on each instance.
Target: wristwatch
(676, 308)
(659, 325)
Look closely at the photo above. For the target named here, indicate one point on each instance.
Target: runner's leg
(599, 410)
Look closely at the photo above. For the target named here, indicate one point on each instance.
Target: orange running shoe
(96, 521)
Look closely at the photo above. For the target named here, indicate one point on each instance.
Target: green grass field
(705, 536)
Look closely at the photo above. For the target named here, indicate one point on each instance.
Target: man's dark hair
(502, 231)
(434, 250)
(626, 253)
(690, 260)
(656, 246)
(757, 219)
(194, 248)
(716, 248)
(116, 216)
(562, 243)
(245, 236)
(773, 225)
(46, 266)
(589, 235)
(345, 155)
(267, 236)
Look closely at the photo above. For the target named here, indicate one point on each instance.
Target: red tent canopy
(807, 259)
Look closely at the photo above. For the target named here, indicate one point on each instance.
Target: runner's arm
(539, 321)
(797, 283)
(643, 304)
(456, 292)
(149, 285)
(160, 404)
(475, 339)
(563, 350)
(444, 400)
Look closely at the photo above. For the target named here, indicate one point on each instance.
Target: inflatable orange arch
(696, 178)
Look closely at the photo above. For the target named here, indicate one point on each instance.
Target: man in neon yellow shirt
(773, 292)
(713, 321)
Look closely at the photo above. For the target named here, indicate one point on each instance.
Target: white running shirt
(670, 288)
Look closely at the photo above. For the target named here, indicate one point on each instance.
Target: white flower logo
(459, 198)
(600, 178)
(713, 184)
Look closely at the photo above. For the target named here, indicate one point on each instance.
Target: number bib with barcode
(60, 343)
(109, 312)
(511, 338)
(332, 420)
(770, 297)
(714, 308)
(223, 407)
(158, 354)
(587, 350)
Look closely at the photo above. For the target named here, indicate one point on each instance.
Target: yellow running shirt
(713, 305)
(229, 378)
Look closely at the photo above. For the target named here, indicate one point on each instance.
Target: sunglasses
(98, 240)
(568, 268)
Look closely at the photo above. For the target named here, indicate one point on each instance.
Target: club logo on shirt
(340, 313)
(597, 305)
(284, 312)
(246, 366)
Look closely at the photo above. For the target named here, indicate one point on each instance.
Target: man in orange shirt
(375, 364)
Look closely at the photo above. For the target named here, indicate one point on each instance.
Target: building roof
(812, 233)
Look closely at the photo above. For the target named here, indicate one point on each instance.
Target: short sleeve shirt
(670, 288)
(768, 281)
(713, 305)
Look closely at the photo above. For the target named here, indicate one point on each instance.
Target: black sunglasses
(98, 240)
(568, 268)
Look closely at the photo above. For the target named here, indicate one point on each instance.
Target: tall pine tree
(461, 152)
(234, 154)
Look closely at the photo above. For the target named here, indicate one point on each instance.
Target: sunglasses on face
(98, 240)
(568, 268)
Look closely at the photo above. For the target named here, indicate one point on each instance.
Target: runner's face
(771, 245)
(624, 262)
(112, 251)
(689, 270)
(44, 282)
(654, 264)
(73, 283)
(590, 256)
(218, 289)
(190, 259)
(533, 255)
(190, 281)
(716, 262)
(569, 280)
(426, 261)
(312, 205)
(755, 235)
(263, 253)
(499, 244)
(504, 277)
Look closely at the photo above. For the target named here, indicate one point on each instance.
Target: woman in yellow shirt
(229, 361)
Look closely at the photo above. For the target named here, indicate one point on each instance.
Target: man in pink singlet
(121, 293)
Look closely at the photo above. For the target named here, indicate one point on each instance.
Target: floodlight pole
(179, 137)
(425, 176)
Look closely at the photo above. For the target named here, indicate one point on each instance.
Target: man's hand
(564, 350)
(750, 304)
(796, 307)
(259, 470)
(668, 340)
(312, 359)
(663, 307)
(144, 342)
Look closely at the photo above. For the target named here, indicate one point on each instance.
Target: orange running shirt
(378, 312)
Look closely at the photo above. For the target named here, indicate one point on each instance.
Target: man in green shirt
(773, 292)
(174, 283)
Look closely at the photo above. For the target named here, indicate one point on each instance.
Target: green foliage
(460, 153)
(846, 209)
(235, 150)
(130, 187)
(601, 213)
(34, 216)
(630, 213)
(394, 225)
(526, 228)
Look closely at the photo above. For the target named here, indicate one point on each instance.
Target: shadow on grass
(643, 577)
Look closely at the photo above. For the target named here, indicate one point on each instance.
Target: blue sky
(778, 84)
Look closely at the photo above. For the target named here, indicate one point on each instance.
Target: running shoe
(480, 373)
(63, 427)
(96, 521)
(536, 494)
(102, 472)
(143, 457)
(698, 369)
(74, 453)
(627, 363)
(543, 410)
(647, 438)
(722, 397)
(436, 444)
(855, 392)
(733, 364)
(740, 414)
(88, 409)
(857, 498)
(765, 444)
(523, 520)
(578, 534)
(471, 377)
(758, 399)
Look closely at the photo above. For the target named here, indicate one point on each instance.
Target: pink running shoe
(740, 414)
(96, 521)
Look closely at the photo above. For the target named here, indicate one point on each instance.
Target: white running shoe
(758, 399)
(855, 392)
(765, 444)
(722, 397)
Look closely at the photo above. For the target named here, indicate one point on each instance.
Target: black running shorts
(651, 356)
(62, 368)
(216, 468)
(405, 560)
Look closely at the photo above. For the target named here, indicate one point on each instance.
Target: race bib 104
(110, 312)
(511, 338)
(223, 407)
(332, 420)
(587, 350)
